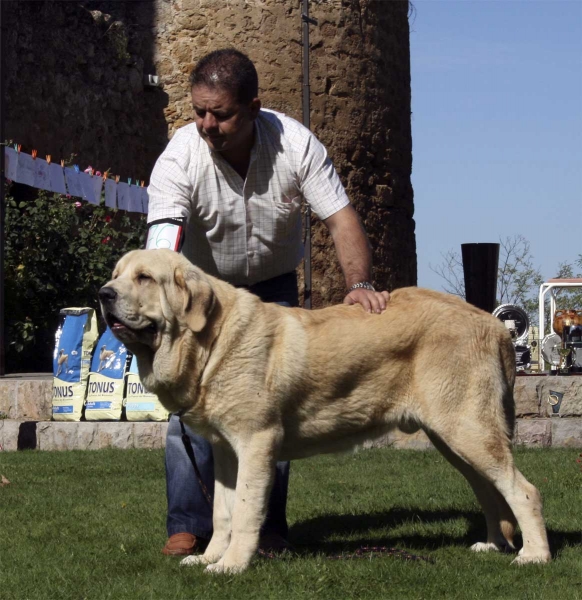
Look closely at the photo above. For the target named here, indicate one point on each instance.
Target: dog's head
(154, 293)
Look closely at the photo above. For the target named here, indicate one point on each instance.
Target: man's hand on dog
(372, 302)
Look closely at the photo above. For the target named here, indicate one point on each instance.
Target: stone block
(87, 436)
(164, 431)
(402, 441)
(570, 386)
(534, 433)
(148, 435)
(8, 396)
(115, 435)
(26, 398)
(525, 393)
(413, 441)
(57, 436)
(43, 436)
(566, 433)
(34, 399)
(10, 430)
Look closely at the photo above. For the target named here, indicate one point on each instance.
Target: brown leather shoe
(183, 544)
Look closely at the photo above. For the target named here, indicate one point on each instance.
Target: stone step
(52, 435)
(94, 435)
(28, 397)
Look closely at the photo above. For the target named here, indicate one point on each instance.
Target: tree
(569, 298)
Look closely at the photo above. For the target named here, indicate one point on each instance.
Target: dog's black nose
(107, 294)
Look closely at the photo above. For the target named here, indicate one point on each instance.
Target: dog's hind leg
(526, 503)
(501, 522)
(488, 452)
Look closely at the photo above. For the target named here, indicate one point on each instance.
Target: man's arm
(355, 257)
(170, 193)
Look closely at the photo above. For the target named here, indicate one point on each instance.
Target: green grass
(77, 525)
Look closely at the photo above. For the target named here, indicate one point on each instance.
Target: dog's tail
(507, 365)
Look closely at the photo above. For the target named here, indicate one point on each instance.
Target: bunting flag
(89, 185)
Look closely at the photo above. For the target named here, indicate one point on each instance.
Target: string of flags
(89, 184)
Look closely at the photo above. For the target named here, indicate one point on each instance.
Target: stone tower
(360, 104)
(75, 83)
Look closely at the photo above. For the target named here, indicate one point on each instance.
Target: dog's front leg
(257, 457)
(225, 473)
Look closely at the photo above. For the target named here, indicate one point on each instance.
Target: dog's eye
(142, 277)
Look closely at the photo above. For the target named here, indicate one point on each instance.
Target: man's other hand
(372, 302)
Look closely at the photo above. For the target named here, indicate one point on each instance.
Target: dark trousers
(188, 509)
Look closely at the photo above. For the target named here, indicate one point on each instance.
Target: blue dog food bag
(106, 379)
(141, 405)
(74, 342)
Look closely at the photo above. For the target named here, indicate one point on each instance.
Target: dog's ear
(198, 298)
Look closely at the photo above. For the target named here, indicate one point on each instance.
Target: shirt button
(250, 253)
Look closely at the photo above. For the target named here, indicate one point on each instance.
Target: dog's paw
(220, 568)
(485, 547)
(190, 561)
(524, 559)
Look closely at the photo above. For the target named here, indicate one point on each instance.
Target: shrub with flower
(58, 253)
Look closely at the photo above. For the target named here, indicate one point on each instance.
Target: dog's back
(343, 375)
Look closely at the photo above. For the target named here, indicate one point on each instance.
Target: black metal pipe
(306, 104)
(2, 187)
(480, 264)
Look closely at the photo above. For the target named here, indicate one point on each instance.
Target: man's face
(222, 122)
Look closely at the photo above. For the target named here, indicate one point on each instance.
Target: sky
(496, 128)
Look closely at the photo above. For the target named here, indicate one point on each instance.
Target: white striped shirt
(246, 231)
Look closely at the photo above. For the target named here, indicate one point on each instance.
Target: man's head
(224, 87)
(230, 70)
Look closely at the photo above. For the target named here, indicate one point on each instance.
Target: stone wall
(25, 412)
(74, 84)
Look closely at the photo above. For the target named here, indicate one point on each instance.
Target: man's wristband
(366, 285)
(166, 233)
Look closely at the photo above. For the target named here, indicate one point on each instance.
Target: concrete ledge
(52, 435)
(531, 395)
(27, 402)
(400, 440)
(567, 433)
(28, 397)
(535, 433)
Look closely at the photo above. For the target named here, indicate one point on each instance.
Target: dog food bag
(141, 405)
(106, 379)
(74, 342)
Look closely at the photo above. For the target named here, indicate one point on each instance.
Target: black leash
(190, 452)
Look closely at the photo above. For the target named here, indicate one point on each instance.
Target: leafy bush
(58, 253)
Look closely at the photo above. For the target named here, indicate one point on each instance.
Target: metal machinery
(552, 344)
(517, 323)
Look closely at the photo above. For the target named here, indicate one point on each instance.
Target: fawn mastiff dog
(264, 383)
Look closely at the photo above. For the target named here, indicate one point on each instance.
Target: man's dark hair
(228, 69)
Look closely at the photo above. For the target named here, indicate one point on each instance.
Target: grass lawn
(77, 525)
